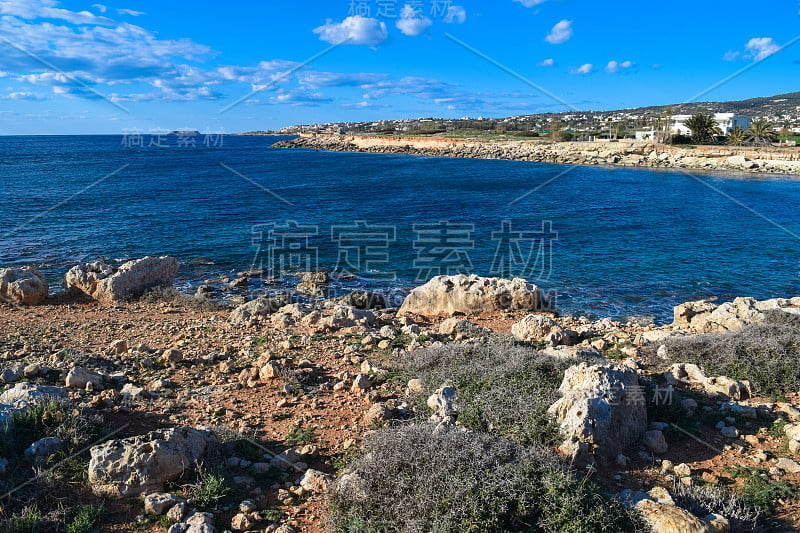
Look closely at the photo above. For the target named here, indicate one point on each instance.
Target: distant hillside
(773, 106)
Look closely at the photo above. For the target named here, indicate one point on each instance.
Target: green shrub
(761, 491)
(299, 436)
(27, 521)
(765, 354)
(209, 490)
(47, 419)
(501, 388)
(87, 520)
(420, 479)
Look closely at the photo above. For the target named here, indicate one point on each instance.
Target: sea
(599, 241)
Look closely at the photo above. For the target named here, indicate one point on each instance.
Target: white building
(726, 121)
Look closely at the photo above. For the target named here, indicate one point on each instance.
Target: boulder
(443, 404)
(130, 281)
(29, 393)
(693, 375)
(315, 481)
(601, 412)
(43, 448)
(24, 285)
(144, 463)
(342, 317)
(159, 503)
(78, 378)
(363, 300)
(665, 518)
(472, 295)
(535, 328)
(289, 315)
(655, 442)
(462, 329)
(251, 312)
(313, 284)
(197, 522)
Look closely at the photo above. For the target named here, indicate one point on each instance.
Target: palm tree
(737, 137)
(703, 127)
(664, 125)
(556, 129)
(761, 132)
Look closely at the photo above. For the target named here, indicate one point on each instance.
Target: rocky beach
(624, 153)
(172, 412)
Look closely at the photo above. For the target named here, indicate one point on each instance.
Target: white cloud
(131, 12)
(412, 22)
(614, 66)
(560, 33)
(353, 30)
(22, 95)
(583, 69)
(335, 79)
(546, 63)
(530, 3)
(100, 7)
(35, 9)
(731, 55)
(761, 47)
(455, 15)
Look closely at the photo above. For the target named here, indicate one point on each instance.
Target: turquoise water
(630, 242)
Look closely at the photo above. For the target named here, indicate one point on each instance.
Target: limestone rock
(158, 503)
(315, 481)
(144, 463)
(313, 284)
(196, 523)
(289, 315)
(461, 329)
(363, 300)
(600, 412)
(535, 328)
(29, 393)
(443, 404)
(471, 295)
(45, 447)
(250, 312)
(24, 285)
(655, 442)
(670, 519)
(707, 317)
(78, 378)
(691, 374)
(130, 281)
(342, 317)
(788, 465)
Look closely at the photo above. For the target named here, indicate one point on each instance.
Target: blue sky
(103, 66)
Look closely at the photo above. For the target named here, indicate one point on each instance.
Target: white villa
(726, 121)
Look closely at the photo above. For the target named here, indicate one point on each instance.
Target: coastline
(633, 154)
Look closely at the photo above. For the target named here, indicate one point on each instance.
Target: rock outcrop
(692, 375)
(601, 411)
(251, 312)
(707, 317)
(472, 295)
(24, 285)
(641, 154)
(108, 285)
(144, 463)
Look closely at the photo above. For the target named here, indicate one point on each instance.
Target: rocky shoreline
(637, 154)
(285, 403)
